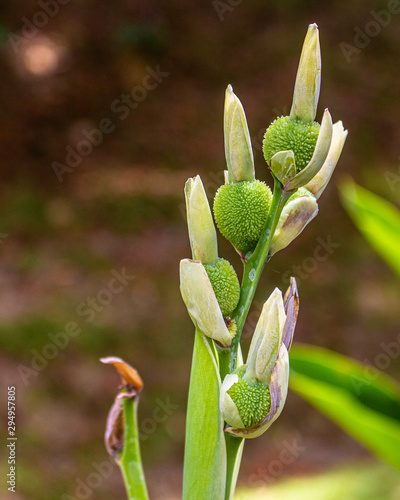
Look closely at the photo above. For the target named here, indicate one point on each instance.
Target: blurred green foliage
(376, 219)
(353, 482)
(365, 405)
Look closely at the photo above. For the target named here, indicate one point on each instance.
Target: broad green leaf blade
(377, 219)
(371, 387)
(367, 408)
(378, 433)
(205, 453)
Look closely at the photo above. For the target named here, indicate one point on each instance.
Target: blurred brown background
(152, 76)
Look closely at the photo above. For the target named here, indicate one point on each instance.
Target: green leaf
(377, 219)
(205, 453)
(360, 399)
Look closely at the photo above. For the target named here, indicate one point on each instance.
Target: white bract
(308, 78)
(201, 302)
(238, 150)
(319, 182)
(294, 218)
(202, 233)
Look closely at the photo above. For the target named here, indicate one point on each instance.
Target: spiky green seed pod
(286, 134)
(240, 211)
(253, 400)
(225, 284)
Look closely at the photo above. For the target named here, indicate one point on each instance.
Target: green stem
(224, 359)
(131, 462)
(228, 358)
(253, 267)
(234, 450)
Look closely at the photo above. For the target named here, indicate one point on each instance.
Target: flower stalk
(253, 268)
(229, 400)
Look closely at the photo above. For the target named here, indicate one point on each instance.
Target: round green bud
(285, 134)
(225, 284)
(253, 401)
(240, 211)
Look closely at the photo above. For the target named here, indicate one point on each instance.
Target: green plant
(229, 400)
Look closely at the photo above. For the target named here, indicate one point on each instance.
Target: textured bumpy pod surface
(285, 134)
(252, 400)
(240, 211)
(278, 388)
(225, 284)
